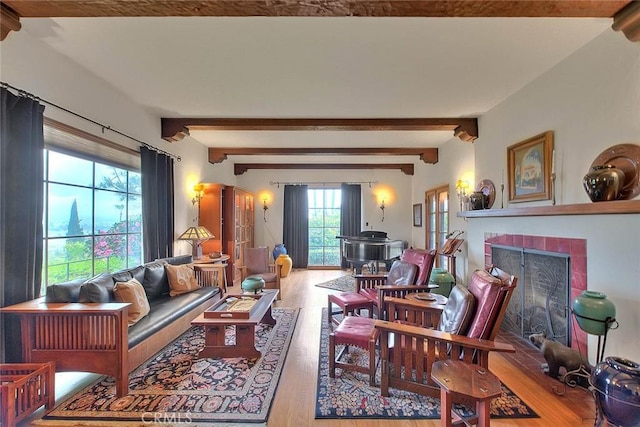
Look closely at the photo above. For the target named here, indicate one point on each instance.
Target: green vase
(252, 284)
(442, 278)
(592, 309)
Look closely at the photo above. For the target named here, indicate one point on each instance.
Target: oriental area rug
(343, 283)
(349, 395)
(176, 387)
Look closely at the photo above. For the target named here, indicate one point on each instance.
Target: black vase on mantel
(478, 200)
(603, 183)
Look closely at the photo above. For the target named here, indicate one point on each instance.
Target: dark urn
(478, 200)
(616, 388)
(603, 183)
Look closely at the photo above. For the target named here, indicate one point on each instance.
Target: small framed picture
(529, 168)
(417, 215)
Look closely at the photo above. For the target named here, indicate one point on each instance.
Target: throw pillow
(132, 292)
(182, 279)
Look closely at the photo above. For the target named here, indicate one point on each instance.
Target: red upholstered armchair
(400, 280)
(463, 329)
(256, 263)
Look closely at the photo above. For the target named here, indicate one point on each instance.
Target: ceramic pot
(278, 250)
(478, 200)
(285, 261)
(603, 183)
(252, 284)
(616, 384)
(591, 310)
(442, 278)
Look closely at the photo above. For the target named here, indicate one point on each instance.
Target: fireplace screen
(540, 302)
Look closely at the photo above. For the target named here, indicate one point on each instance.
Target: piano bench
(350, 303)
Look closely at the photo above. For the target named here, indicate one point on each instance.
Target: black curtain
(350, 214)
(21, 205)
(157, 204)
(296, 224)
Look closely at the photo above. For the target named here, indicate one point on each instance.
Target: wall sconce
(382, 208)
(265, 208)
(199, 190)
(461, 191)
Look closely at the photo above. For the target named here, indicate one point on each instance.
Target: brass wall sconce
(265, 208)
(382, 207)
(461, 191)
(199, 190)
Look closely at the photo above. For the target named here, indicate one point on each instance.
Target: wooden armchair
(256, 263)
(424, 333)
(377, 287)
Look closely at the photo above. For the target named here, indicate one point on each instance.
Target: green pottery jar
(592, 309)
(442, 278)
(252, 284)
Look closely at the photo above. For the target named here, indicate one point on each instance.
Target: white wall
(591, 101)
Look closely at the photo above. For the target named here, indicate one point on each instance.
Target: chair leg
(372, 362)
(332, 356)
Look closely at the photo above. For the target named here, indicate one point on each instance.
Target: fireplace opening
(540, 303)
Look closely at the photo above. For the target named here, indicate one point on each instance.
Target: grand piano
(370, 248)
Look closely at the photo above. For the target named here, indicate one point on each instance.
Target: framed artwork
(417, 215)
(529, 168)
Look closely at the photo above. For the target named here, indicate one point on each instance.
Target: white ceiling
(290, 67)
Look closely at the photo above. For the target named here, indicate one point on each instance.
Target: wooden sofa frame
(91, 337)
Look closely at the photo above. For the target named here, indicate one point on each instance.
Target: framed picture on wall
(529, 168)
(417, 215)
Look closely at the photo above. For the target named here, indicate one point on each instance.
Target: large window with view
(93, 218)
(324, 226)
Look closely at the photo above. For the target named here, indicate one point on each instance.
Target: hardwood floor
(294, 404)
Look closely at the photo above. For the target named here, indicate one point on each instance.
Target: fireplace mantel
(600, 208)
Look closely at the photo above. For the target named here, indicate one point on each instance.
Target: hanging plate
(627, 158)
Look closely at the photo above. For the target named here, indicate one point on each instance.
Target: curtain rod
(25, 94)
(278, 183)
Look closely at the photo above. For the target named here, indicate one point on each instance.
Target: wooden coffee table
(215, 345)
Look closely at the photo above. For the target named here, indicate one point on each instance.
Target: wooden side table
(461, 379)
(24, 387)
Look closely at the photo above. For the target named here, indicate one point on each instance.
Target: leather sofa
(80, 326)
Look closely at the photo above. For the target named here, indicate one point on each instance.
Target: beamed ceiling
(188, 117)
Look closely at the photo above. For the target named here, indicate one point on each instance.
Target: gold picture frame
(529, 168)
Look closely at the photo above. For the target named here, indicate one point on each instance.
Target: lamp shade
(199, 233)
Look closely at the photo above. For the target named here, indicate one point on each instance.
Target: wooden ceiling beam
(337, 8)
(9, 21)
(240, 168)
(427, 155)
(628, 21)
(174, 129)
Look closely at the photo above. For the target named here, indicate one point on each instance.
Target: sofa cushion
(121, 276)
(401, 273)
(132, 292)
(489, 294)
(458, 311)
(182, 279)
(155, 280)
(166, 310)
(97, 289)
(64, 292)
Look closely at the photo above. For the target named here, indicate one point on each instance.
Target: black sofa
(86, 330)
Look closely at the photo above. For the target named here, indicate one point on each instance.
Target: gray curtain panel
(21, 206)
(157, 204)
(350, 214)
(296, 224)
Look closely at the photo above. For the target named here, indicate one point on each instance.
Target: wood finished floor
(294, 404)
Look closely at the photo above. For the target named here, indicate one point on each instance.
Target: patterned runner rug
(349, 395)
(343, 283)
(176, 387)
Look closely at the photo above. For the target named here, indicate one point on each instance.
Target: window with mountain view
(93, 218)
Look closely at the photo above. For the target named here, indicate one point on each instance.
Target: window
(93, 218)
(324, 226)
(437, 204)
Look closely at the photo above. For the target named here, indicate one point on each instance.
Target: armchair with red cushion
(409, 274)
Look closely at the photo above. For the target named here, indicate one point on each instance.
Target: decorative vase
(603, 183)
(478, 201)
(616, 388)
(285, 261)
(278, 250)
(592, 309)
(442, 278)
(252, 284)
